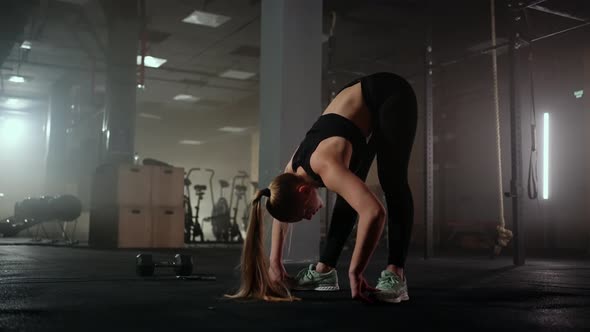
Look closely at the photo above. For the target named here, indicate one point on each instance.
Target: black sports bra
(330, 125)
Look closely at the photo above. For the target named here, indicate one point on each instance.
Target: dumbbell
(182, 265)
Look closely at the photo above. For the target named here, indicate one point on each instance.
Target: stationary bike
(220, 216)
(239, 191)
(192, 227)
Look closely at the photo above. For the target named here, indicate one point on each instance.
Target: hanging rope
(504, 235)
(533, 160)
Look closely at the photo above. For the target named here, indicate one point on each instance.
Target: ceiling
(69, 39)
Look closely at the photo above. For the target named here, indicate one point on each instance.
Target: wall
(466, 177)
(22, 166)
(562, 220)
(226, 155)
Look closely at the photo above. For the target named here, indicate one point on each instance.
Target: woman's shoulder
(332, 150)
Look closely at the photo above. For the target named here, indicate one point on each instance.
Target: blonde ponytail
(255, 280)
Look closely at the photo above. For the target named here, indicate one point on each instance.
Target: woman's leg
(397, 129)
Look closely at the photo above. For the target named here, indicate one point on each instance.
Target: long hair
(255, 280)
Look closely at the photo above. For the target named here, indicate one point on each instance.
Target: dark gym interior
(134, 135)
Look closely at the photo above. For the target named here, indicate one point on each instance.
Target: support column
(586, 110)
(290, 100)
(516, 191)
(56, 158)
(121, 81)
(429, 143)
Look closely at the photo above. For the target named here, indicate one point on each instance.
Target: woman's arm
(279, 231)
(371, 212)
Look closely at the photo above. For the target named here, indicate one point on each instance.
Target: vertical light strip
(545, 155)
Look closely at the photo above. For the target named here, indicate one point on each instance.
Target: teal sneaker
(391, 288)
(309, 279)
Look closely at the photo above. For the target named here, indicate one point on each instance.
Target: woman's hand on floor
(358, 286)
(278, 273)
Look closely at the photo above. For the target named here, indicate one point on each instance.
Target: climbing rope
(504, 235)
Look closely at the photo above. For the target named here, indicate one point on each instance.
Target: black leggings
(394, 129)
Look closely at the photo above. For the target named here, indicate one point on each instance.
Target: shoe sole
(319, 288)
(385, 298)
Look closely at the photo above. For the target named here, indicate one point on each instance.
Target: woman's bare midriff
(349, 104)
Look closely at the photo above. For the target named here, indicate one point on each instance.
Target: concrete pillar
(290, 99)
(586, 110)
(56, 158)
(121, 82)
(255, 161)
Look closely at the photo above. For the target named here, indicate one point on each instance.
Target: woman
(335, 154)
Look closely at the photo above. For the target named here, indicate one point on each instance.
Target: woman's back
(354, 120)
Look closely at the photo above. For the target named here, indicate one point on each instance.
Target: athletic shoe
(309, 279)
(391, 288)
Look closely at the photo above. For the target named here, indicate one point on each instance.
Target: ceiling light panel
(237, 74)
(14, 103)
(17, 79)
(190, 142)
(150, 116)
(151, 61)
(15, 112)
(186, 98)
(206, 19)
(232, 129)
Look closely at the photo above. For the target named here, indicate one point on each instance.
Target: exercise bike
(192, 226)
(239, 191)
(220, 216)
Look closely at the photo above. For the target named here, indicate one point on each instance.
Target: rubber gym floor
(46, 288)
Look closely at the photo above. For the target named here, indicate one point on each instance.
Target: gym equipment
(201, 277)
(34, 211)
(220, 218)
(220, 215)
(239, 191)
(224, 216)
(10, 227)
(197, 229)
(182, 265)
(66, 208)
(504, 235)
(33, 208)
(192, 227)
